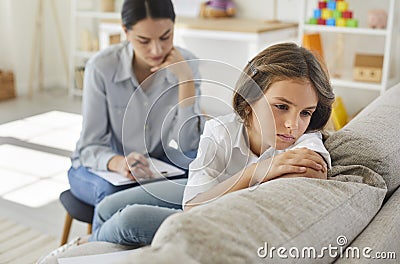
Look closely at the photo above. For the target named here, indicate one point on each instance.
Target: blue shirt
(119, 116)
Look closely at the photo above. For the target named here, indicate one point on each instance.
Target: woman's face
(292, 104)
(152, 40)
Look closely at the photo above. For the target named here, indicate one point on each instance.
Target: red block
(321, 21)
(321, 4)
(347, 14)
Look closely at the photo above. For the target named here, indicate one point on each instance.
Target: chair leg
(89, 230)
(67, 228)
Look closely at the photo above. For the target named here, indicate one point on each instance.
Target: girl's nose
(292, 122)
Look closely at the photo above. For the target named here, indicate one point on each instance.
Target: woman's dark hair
(135, 10)
(285, 61)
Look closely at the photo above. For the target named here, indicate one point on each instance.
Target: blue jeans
(132, 216)
(91, 189)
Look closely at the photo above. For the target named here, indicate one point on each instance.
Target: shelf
(354, 84)
(103, 15)
(347, 30)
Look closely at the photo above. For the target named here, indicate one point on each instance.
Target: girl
(281, 102)
(114, 82)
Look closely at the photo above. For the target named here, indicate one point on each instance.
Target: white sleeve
(208, 166)
(313, 141)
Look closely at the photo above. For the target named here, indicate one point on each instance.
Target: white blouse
(224, 151)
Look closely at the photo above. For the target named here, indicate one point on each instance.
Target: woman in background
(160, 110)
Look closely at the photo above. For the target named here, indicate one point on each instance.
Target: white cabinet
(340, 44)
(89, 23)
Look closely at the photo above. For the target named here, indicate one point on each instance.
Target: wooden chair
(76, 209)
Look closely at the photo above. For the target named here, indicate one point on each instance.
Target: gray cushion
(381, 235)
(371, 141)
(298, 212)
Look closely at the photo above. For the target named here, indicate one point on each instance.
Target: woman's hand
(300, 162)
(135, 162)
(181, 70)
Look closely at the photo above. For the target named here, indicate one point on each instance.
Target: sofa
(298, 220)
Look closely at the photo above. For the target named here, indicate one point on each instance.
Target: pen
(135, 163)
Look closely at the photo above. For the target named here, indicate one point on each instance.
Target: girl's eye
(281, 107)
(144, 42)
(165, 38)
(306, 113)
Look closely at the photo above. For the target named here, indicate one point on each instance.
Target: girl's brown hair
(285, 61)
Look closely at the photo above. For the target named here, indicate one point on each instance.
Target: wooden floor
(23, 245)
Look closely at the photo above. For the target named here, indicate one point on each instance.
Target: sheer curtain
(18, 35)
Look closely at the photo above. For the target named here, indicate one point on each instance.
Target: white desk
(230, 40)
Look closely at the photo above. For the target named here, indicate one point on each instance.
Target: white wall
(254, 9)
(17, 31)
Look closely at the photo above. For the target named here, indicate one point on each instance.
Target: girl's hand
(124, 167)
(301, 162)
(181, 70)
(309, 173)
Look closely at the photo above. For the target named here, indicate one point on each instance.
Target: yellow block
(326, 13)
(342, 6)
(339, 115)
(341, 22)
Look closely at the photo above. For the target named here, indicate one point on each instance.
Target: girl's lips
(156, 58)
(286, 138)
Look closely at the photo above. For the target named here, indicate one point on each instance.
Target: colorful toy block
(331, 5)
(336, 14)
(351, 23)
(342, 6)
(331, 22)
(313, 21)
(321, 21)
(317, 13)
(322, 5)
(347, 14)
(326, 13)
(333, 13)
(341, 22)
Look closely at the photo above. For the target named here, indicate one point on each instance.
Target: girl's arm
(300, 162)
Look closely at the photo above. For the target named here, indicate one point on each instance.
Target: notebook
(159, 168)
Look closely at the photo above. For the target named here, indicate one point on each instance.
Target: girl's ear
(125, 29)
(247, 118)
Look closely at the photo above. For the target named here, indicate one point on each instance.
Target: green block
(352, 23)
(336, 14)
(313, 21)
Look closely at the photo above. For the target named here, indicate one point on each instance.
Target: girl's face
(152, 40)
(292, 104)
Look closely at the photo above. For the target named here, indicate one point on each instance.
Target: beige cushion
(284, 213)
(382, 235)
(371, 142)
